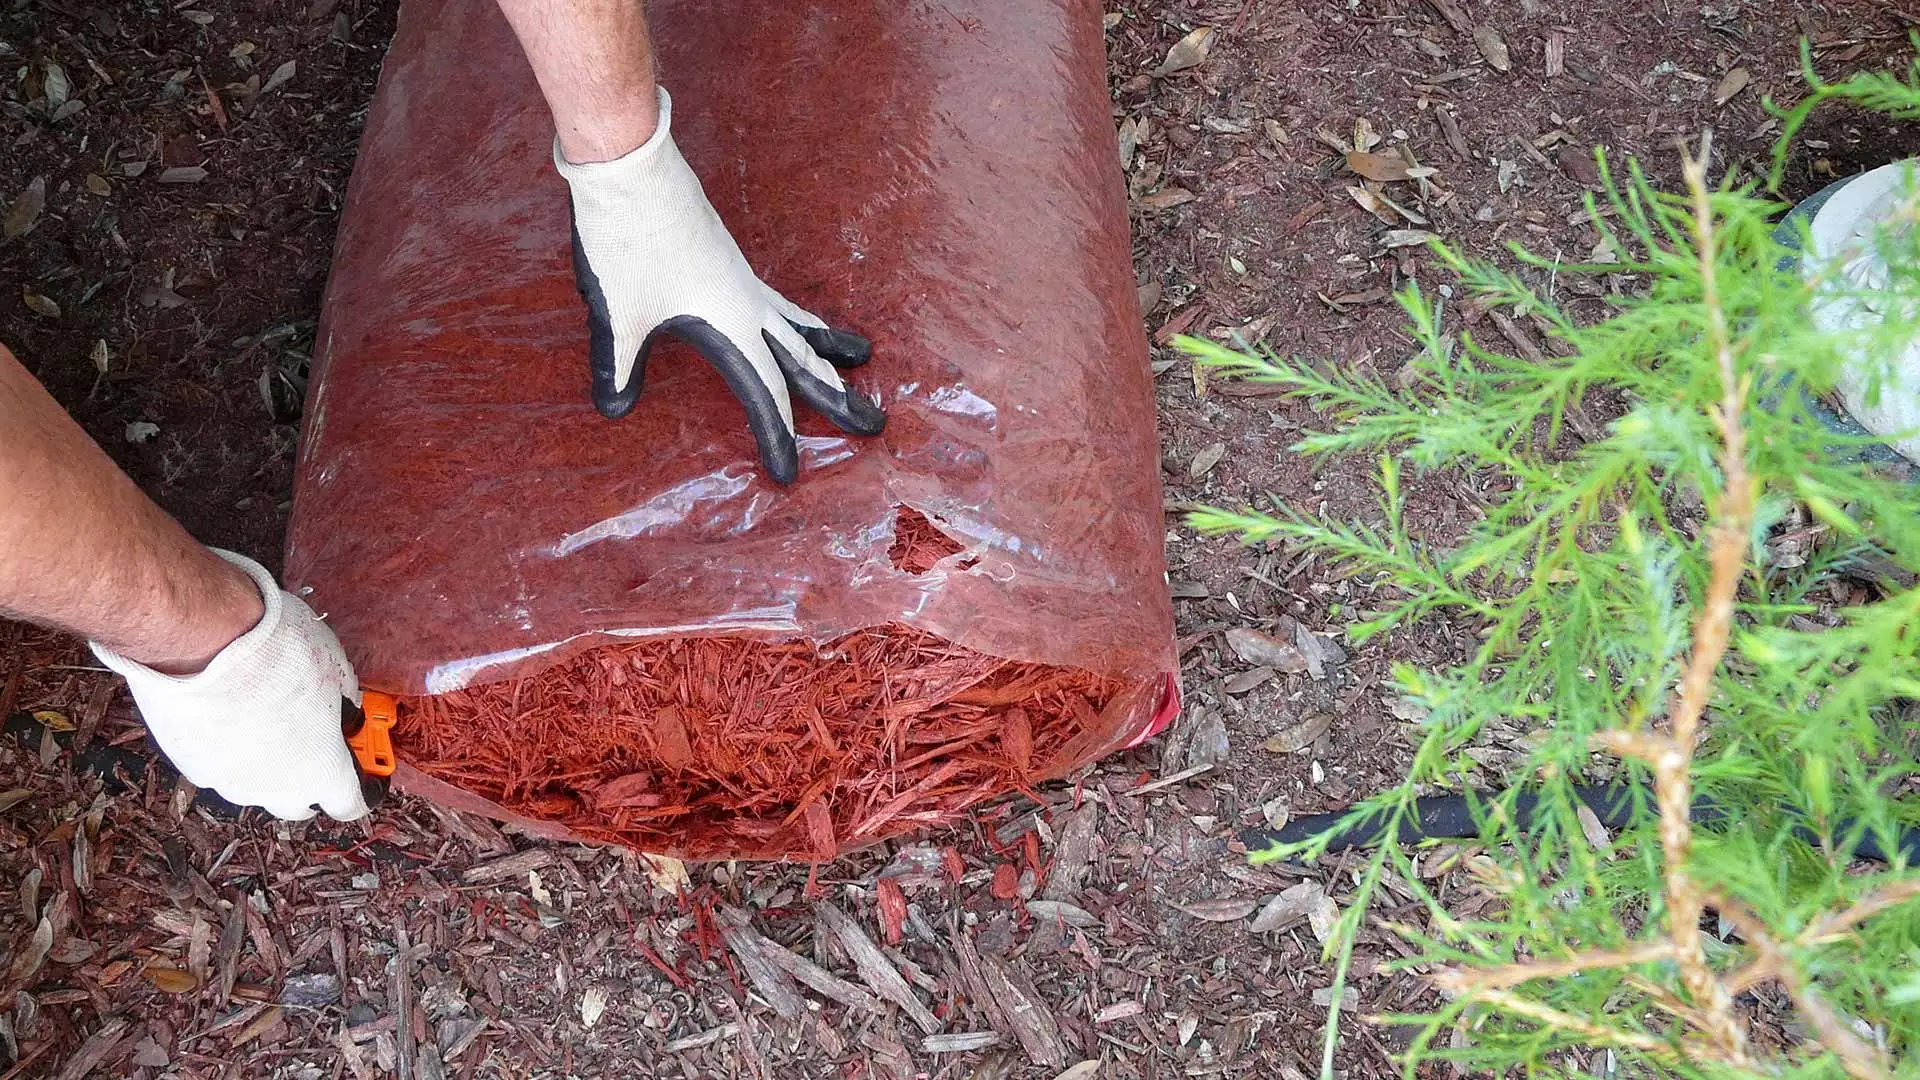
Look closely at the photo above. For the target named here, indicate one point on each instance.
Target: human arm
(239, 684)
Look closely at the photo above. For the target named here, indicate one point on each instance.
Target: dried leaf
(140, 431)
(55, 86)
(1290, 906)
(132, 168)
(1256, 647)
(1224, 909)
(151, 1055)
(183, 174)
(1579, 165)
(100, 357)
(267, 1018)
(198, 18)
(1167, 198)
(1592, 829)
(13, 797)
(1730, 84)
(1204, 461)
(1247, 680)
(280, 77)
(1364, 137)
(1298, 737)
(1322, 917)
(1384, 168)
(98, 184)
(171, 979)
(1086, 1070)
(73, 951)
(593, 1005)
(27, 962)
(53, 721)
(26, 209)
(1395, 238)
(1493, 47)
(1373, 204)
(1189, 52)
(1073, 915)
(1130, 133)
(668, 874)
(37, 302)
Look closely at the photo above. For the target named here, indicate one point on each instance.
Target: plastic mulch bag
(621, 630)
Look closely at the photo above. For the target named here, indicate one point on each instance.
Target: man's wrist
(216, 609)
(609, 131)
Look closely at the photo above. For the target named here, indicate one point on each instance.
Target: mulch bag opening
(622, 631)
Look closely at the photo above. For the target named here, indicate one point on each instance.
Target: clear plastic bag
(941, 178)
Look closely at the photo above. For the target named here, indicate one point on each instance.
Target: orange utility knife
(369, 731)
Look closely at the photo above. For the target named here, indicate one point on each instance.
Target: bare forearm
(595, 69)
(81, 548)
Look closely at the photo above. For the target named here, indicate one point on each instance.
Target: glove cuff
(235, 658)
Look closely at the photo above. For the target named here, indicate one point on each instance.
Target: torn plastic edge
(1164, 713)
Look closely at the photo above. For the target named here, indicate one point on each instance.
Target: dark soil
(190, 944)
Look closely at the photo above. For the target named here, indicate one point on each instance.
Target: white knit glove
(651, 256)
(1845, 234)
(261, 725)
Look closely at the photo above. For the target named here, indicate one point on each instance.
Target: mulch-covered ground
(171, 178)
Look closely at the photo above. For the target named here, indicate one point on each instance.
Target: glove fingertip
(841, 348)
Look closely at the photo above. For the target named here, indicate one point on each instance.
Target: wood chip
(1493, 47)
(1556, 50)
(970, 971)
(875, 969)
(773, 982)
(400, 998)
(1455, 17)
(1027, 1013)
(1073, 853)
(512, 867)
(95, 1050)
(1167, 198)
(703, 1039)
(233, 934)
(960, 1042)
(1085, 1070)
(821, 980)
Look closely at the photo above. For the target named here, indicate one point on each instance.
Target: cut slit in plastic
(623, 632)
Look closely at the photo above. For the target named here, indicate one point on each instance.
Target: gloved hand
(651, 257)
(261, 725)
